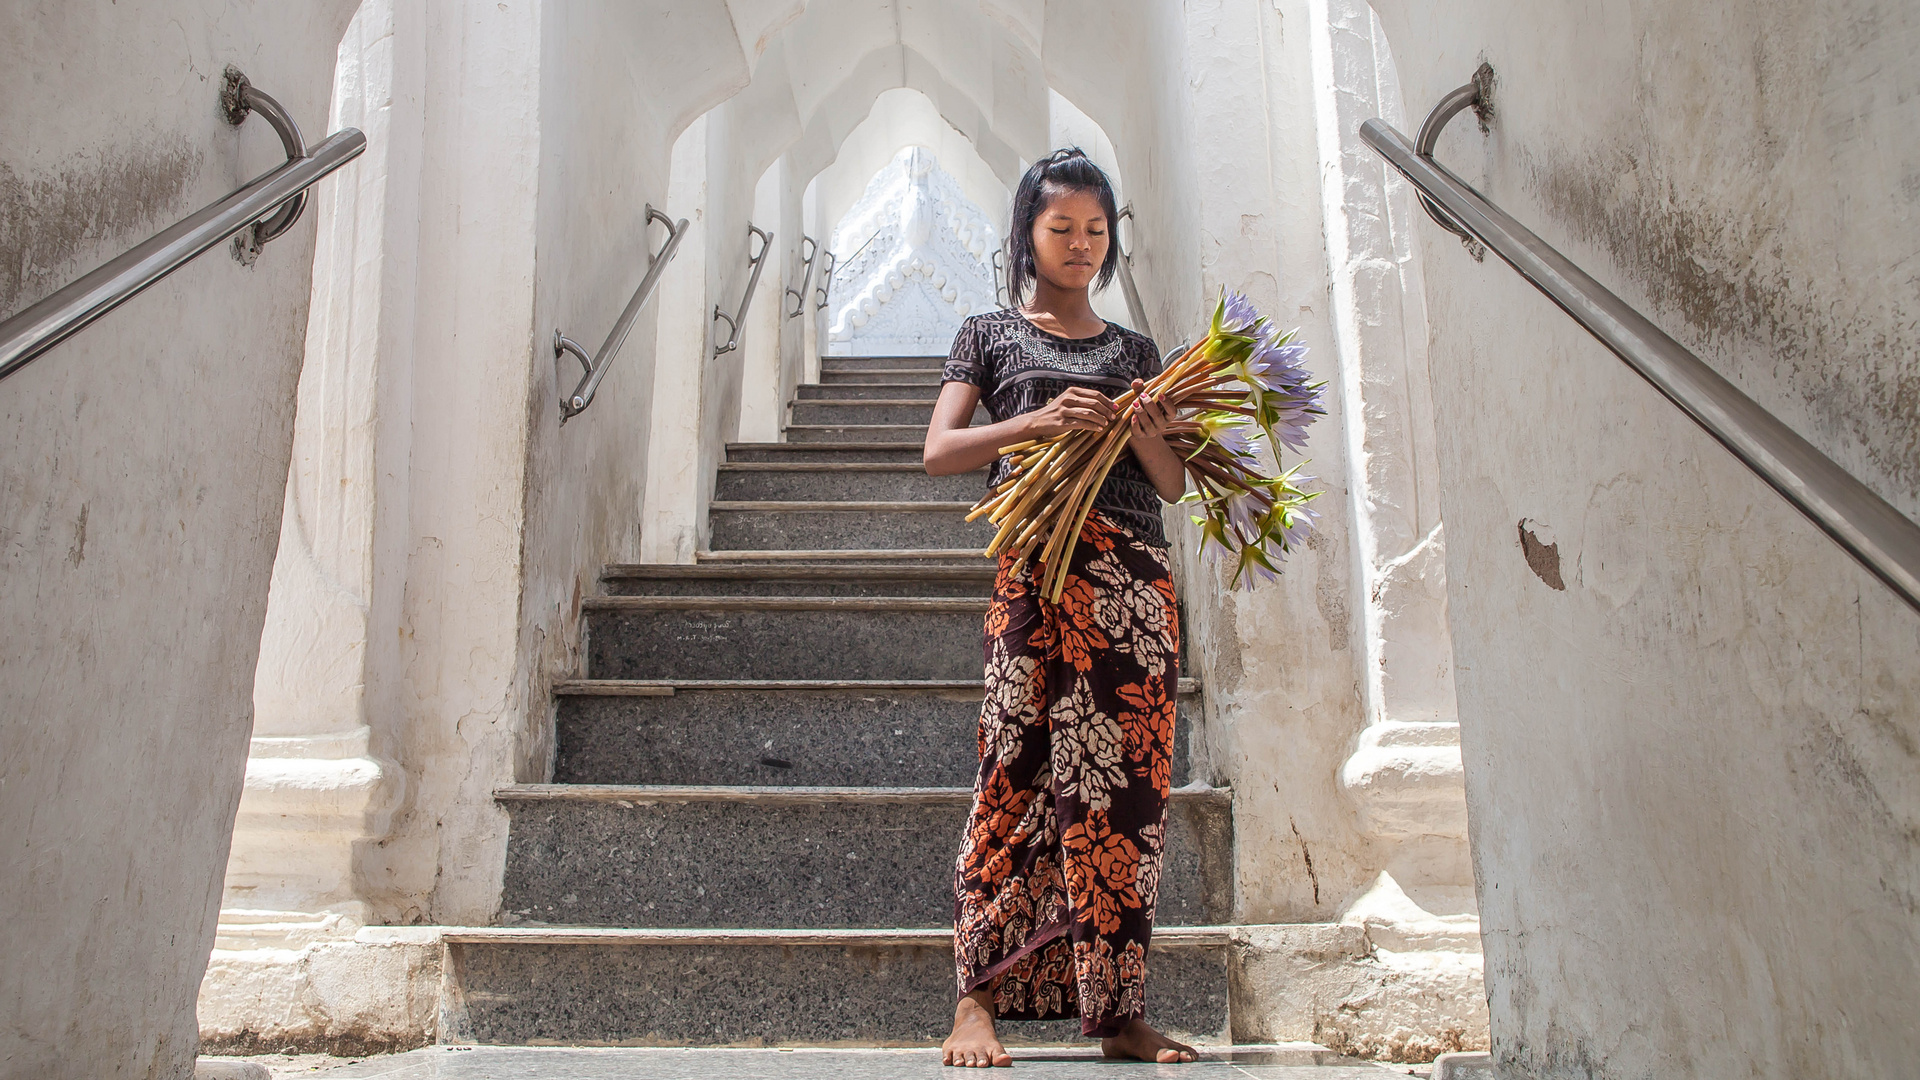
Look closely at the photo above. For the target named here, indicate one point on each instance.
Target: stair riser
(869, 412)
(771, 530)
(883, 363)
(930, 376)
(807, 738)
(778, 995)
(926, 389)
(845, 864)
(977, 588)
(915, 433)
(850, 486)
(900, 453)
(718, 644)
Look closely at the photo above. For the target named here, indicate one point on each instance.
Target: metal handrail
(826, 281)
(1135, 309)
(281, 193)
(998, 260)
(596, 369)
(806, 276)
(757, 261)
(1884, 541)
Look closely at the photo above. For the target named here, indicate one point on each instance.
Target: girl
(1060, 865)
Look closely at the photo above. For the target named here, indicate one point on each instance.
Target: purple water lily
(1241, 441)
(1243, 513)
(1240, 317)
(1277, 364)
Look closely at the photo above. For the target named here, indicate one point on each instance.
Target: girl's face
(1070, 240)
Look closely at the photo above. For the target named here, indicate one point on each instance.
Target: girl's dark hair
(1055, 175)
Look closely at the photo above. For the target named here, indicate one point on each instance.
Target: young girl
(1060, 865)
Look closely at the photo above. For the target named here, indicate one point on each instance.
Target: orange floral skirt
(1060, 865)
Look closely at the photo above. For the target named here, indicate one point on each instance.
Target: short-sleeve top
(1020, 367)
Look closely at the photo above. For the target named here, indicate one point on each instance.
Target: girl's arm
(954, 446)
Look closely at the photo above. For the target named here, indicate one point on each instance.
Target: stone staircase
(761, 784)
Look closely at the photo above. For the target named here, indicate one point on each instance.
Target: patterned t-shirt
(1020, 367)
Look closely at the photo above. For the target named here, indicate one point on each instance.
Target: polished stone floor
(569, 1063)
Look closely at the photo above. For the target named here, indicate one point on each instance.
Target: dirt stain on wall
(1757, 298)
(50, 218)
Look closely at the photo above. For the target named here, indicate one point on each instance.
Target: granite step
(843, 481)
(882, 363)
(791, 857)
(875, 733)
(823, 524)
(858, 433)
(767, 637)
(897, 452)
(927, 376)
(733, 987)
(869, 412)
(846, 557)
(924, 390)
(790, 579)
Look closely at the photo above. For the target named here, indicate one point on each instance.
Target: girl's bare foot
(1141, 1042)
(974, 1044)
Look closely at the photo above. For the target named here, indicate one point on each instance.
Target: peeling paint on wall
(1543, 556)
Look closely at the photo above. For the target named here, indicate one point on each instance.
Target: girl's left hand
(1150, 415)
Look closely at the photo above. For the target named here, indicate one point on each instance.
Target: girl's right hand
(1076, 409)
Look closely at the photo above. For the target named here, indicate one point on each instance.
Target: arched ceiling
(803, 72)
(819, 73)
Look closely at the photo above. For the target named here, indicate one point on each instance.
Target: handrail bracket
(239, 98)
(757, 261)
(806, 275)
(595, 369)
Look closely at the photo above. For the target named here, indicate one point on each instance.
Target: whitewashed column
(673, 518)
(1404, 776)
(315, 786)
(762, 399)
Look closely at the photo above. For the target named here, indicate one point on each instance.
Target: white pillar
(674, 515)
(1404, 776)
(315, 786)
(763, 402)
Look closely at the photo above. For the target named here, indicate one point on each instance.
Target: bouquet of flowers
(1240, 390)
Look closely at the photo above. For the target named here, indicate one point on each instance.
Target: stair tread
(776, 796)
(793, 573)
(798, 555)
(827, 466)
(667, 687)
(780, 505)
(904, 384)
(594, 935)
(863, 402)
(958, 604)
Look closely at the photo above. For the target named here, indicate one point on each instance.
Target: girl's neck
(1065, 312)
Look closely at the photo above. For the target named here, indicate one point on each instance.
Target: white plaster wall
(1279, 663)
(141, 489)
(1691, 769)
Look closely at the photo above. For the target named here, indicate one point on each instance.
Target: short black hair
(1052, 176)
